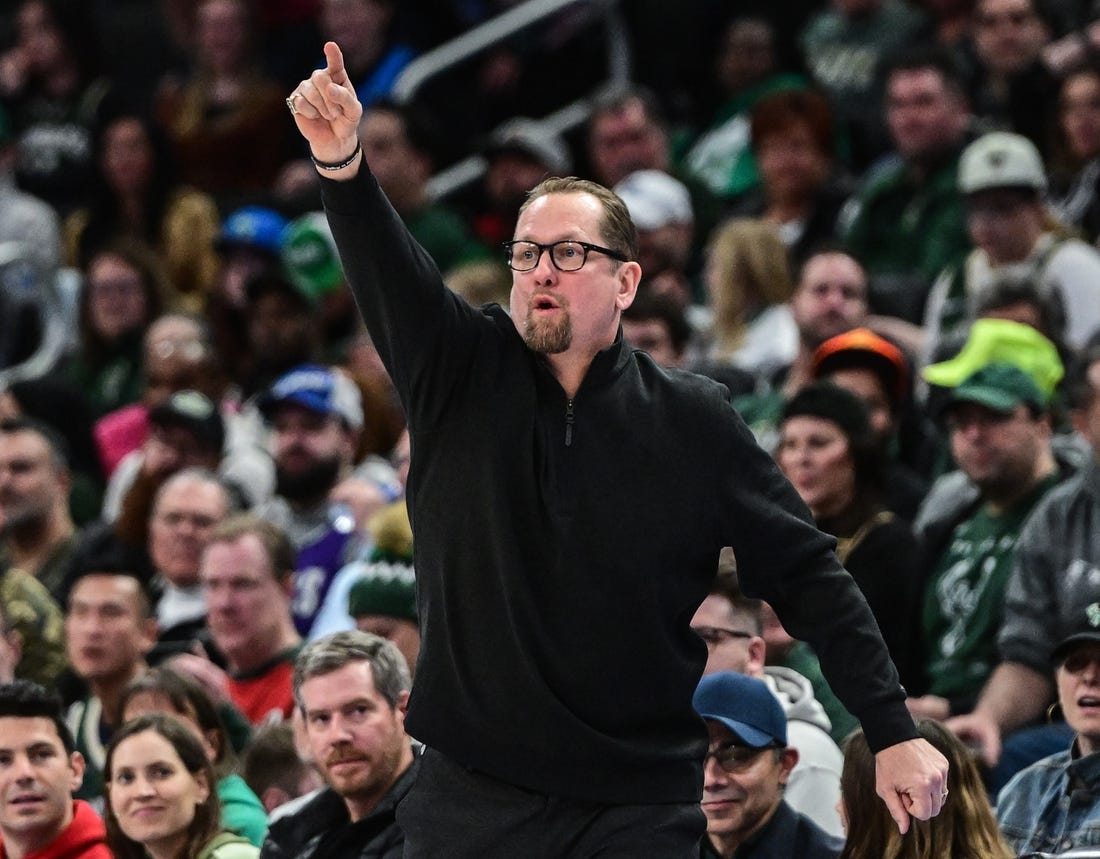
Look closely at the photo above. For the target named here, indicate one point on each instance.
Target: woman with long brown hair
(964, 829)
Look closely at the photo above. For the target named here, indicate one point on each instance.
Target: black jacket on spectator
(322, 829)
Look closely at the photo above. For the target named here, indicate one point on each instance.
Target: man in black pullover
(569, 499)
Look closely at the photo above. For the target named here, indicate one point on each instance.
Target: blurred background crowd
(875, 221)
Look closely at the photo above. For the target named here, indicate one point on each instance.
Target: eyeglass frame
(587, 247)
(742, 765)
(712, 640)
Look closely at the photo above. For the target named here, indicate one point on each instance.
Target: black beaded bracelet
(326, 165)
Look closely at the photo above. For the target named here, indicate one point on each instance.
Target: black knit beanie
(832, 403)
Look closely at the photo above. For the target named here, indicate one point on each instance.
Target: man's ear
(402, 705)
(629, 275)
(757, 653)
(212, 743)
(787, 763)
(76, 770)
(273, 797)
(149, 633)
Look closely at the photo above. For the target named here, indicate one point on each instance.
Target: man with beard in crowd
(315, 414)
(352, 689)
(829, 298)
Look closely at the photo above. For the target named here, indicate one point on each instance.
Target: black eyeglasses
(566, 255)
(734, 758)
(715, 635)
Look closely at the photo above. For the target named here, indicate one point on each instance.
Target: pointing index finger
(335, 59)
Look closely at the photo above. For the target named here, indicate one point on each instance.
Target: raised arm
(327, 113)
(427, 337)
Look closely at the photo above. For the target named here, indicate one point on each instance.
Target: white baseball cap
(1001, 159)
(655, 199)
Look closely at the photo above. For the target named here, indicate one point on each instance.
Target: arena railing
(485, 36)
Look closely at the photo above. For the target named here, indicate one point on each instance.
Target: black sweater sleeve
(424, 333)
(783, 558)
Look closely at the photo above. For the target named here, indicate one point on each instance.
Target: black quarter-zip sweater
(562, 546)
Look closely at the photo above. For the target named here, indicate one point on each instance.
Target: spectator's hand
(361, 497)
(980, 733)
(204, 672)
(929, 706)
(911, 778)
(327, 111)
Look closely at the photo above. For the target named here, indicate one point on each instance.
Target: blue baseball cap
(254, 226)
(320, 389)
(743, 704)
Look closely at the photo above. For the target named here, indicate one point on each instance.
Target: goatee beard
(548, 336)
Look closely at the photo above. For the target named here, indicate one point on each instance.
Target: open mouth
(544, 302)
(1089, 702)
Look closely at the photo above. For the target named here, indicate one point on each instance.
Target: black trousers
(455, 813)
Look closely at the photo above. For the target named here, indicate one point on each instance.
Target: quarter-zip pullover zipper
(568, 423)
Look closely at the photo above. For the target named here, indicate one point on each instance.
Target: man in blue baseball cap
(745, 772)
(315, 415)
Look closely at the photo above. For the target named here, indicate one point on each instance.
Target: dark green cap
(387, 585)
(388, 588)
(1000, 387)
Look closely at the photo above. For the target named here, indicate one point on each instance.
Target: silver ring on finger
(290, 103)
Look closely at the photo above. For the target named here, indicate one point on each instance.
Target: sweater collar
(605, 367)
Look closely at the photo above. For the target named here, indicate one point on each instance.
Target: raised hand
(327, 111)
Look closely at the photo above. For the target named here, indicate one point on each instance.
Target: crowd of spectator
(877, 222)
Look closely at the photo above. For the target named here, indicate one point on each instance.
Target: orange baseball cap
(862, 347)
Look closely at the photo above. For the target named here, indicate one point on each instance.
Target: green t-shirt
(964, 599)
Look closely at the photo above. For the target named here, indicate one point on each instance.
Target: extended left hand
(911, 778)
